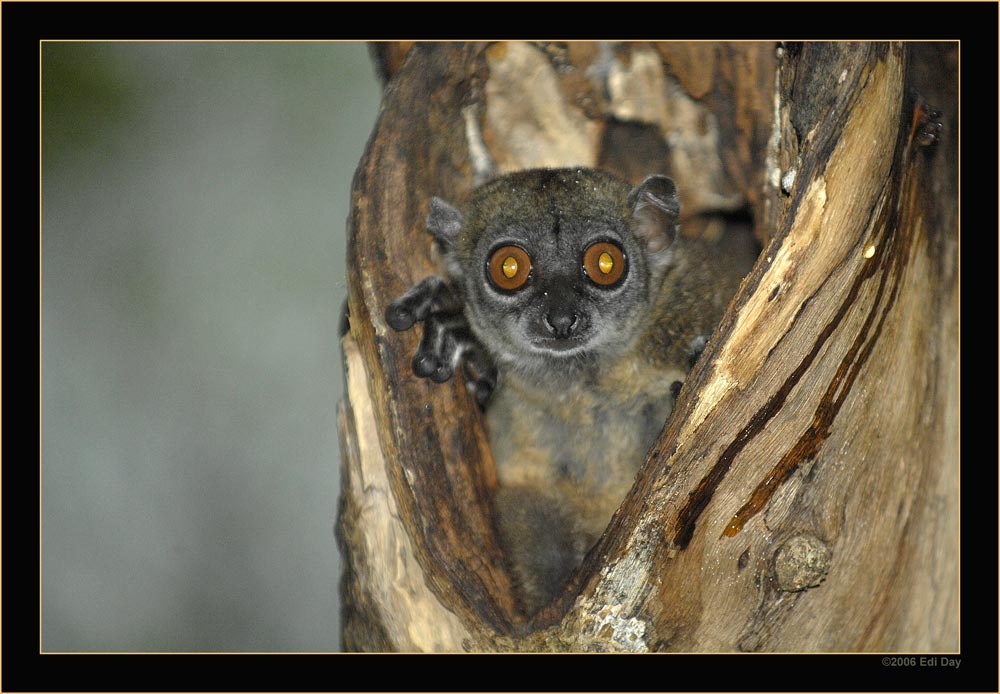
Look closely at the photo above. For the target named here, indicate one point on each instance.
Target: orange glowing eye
(509, 267)
(604, 263)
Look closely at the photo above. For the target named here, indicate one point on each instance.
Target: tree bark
(803, 495)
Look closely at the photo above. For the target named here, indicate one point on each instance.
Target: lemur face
(559, 267)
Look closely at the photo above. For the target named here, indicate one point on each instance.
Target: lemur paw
(675, 389)
(447, 339)
(695, 349)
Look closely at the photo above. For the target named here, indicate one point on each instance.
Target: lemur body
(579, 310)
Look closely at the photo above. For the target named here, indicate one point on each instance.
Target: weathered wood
(438, 466)
(803, 495)
(387, 605)
(388, 57)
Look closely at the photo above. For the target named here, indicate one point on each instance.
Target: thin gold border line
(85, 653)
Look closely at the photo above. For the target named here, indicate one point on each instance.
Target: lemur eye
(604, 263)
(509, 267)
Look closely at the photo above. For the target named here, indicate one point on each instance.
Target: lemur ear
(655, 208)
(445, 222)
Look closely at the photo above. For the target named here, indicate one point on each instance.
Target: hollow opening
(442, 476)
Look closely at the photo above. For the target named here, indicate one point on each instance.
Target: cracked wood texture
(803, 495)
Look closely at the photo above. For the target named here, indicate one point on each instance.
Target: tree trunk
(803, 495)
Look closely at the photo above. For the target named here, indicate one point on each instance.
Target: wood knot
(801, 562)
(927, 126)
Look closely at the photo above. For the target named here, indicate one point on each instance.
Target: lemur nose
(562, 322)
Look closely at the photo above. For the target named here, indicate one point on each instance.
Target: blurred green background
(194, 203)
